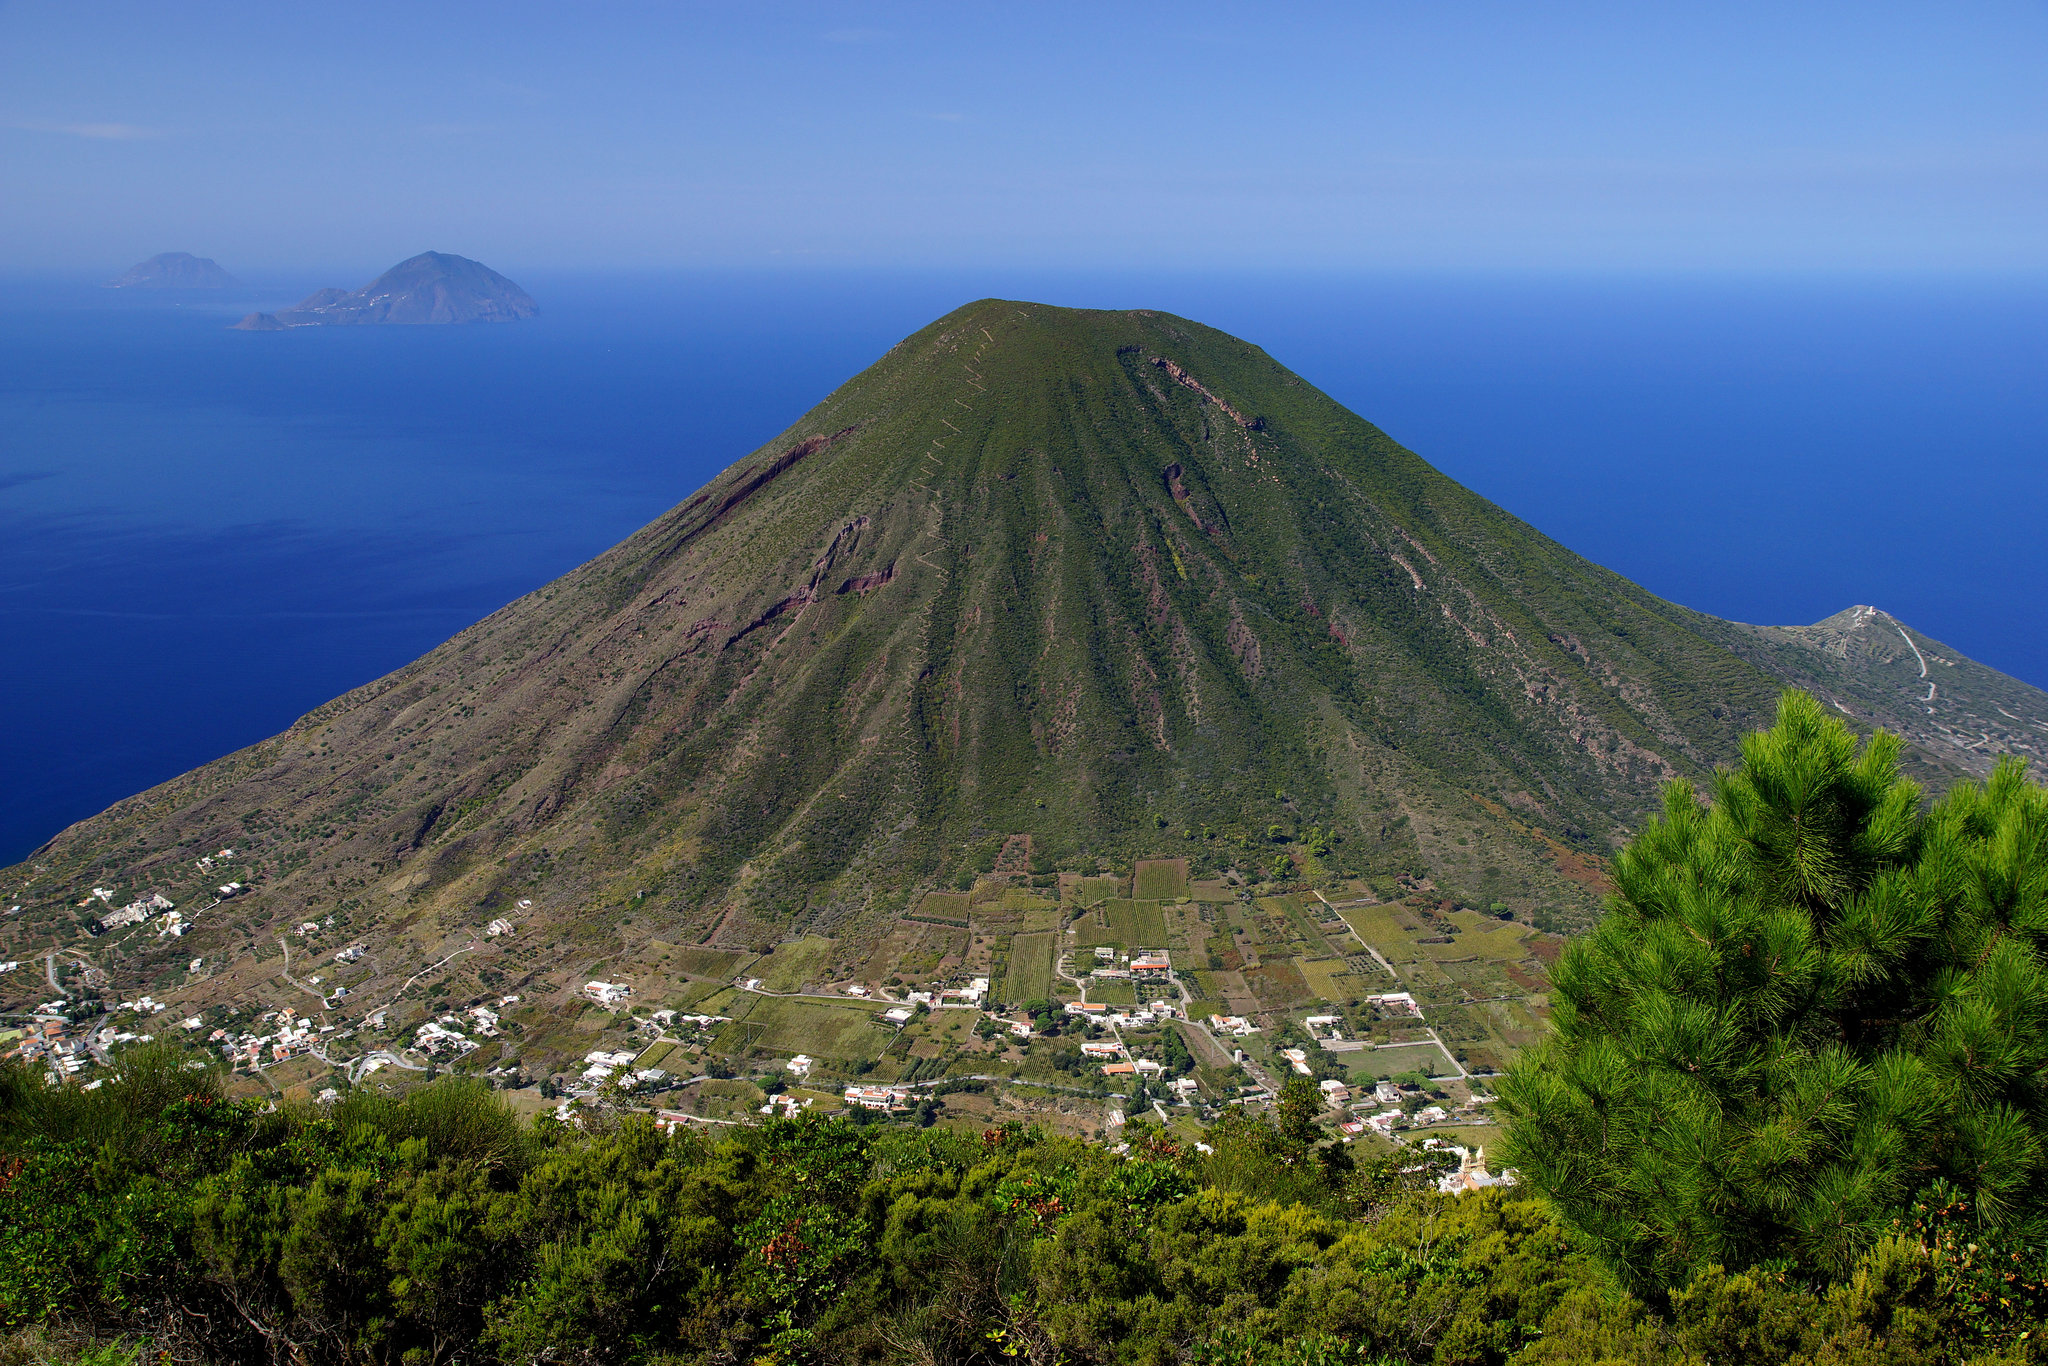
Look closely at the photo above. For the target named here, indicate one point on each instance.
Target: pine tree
(1808, 1005)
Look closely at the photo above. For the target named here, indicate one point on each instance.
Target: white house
(878, 1097)
(607, 994)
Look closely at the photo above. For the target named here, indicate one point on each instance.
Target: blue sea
(205, 533)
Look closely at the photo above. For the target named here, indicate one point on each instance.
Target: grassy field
(1113, 991)
(1395, 1059)
(777, 1024)
(794, 964)
(1030, 975)
(1161, 879)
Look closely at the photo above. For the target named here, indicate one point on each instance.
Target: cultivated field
(1091, 891)
(1113, 991)
(795, 964)
(718, 965)
(1161, 879)
(774, 1024)
(1123, 924)
(944, 906)
(1030, 975)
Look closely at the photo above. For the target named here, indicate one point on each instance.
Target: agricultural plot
(1383, 927)
(1394, 1059)
(934, 947)
(1113, 991)
(1214, 889)
(693, 995)
(945, 906)
(1278, 984)
(1225, 993)
(717, 965)
(1185, 927)
(914, 950)
(1122, 924)
(795, 963)
(1160, 879)
(1138, 924)
(721, 1099)
(780, 1025)
(1031, 965)
(1043, 920)
(1331, 980)
(939, 1033)
(659, 1054)
(1090, 891)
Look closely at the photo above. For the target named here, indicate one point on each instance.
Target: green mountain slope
(1111, 580)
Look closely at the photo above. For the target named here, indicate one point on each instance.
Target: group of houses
(48, 1040)
(134, 913)
(449, 1035)
(292, 1036)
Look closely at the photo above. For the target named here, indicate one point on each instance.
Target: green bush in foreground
(409, 1231)
(1809, 1007)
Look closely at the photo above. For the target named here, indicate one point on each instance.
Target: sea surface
(205, 533)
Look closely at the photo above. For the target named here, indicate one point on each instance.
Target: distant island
(433, 287)
(175, 270)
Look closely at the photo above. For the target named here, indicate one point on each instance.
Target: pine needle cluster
(1811, 1003)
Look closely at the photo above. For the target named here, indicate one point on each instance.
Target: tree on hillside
(1808, 1004)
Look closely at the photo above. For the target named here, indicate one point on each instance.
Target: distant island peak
(431, 288)
(175, 270)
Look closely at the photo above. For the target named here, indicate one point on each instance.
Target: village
(1083, 1007)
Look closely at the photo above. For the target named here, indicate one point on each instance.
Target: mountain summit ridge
(1108, 583)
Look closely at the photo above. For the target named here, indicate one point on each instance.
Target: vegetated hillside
(1113, 580)
(1877, 670)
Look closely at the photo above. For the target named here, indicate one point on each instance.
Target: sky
(1461, 136)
